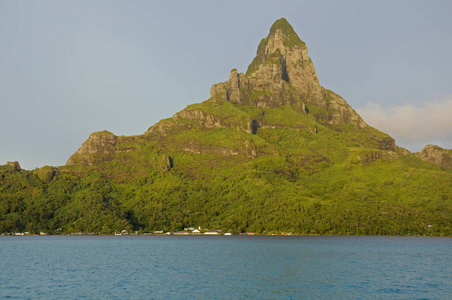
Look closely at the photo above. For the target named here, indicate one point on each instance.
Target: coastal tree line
(345, 200)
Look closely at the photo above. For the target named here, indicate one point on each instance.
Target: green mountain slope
(270, 151)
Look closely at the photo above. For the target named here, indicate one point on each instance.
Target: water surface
(225, 267)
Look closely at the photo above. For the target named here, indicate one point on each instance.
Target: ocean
(225, 267)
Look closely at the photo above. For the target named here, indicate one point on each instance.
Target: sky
(71, 68)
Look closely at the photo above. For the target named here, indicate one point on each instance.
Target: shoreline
(213, 235)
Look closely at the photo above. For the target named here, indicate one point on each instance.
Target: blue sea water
(225, 267)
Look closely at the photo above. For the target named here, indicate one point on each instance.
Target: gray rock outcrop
(437, 155)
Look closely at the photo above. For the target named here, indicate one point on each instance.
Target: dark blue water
(235, 267)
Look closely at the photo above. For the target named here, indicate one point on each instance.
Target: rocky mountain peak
(94, 149)
(283, 74)
(283, 49)
(283, 25)
(282, 36)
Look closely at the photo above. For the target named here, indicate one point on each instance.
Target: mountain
(279, 91)
(270, 151)
(436, 155)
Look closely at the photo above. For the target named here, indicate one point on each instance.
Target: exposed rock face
(283, 74)
(162, 128)
(283, 56)
(97, 148)
(208, 121)
(437, 155)
(262, 92)
(211, 120)
(338, 111)
(13, 166)
(377, 155)
(387, 143)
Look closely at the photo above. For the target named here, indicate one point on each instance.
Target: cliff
(436, 155)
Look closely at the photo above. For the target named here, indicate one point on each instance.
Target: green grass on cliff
(292, 38)
(293, 174)
(304, 185)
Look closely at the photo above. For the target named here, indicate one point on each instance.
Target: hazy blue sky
(70, 68)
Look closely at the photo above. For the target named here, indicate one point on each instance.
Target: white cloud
(413, 126)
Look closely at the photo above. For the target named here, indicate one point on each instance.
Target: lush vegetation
(305, 178)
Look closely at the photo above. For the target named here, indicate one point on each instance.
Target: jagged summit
(282, 37)
(284, 26)
(282, 73)
(283, 47)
